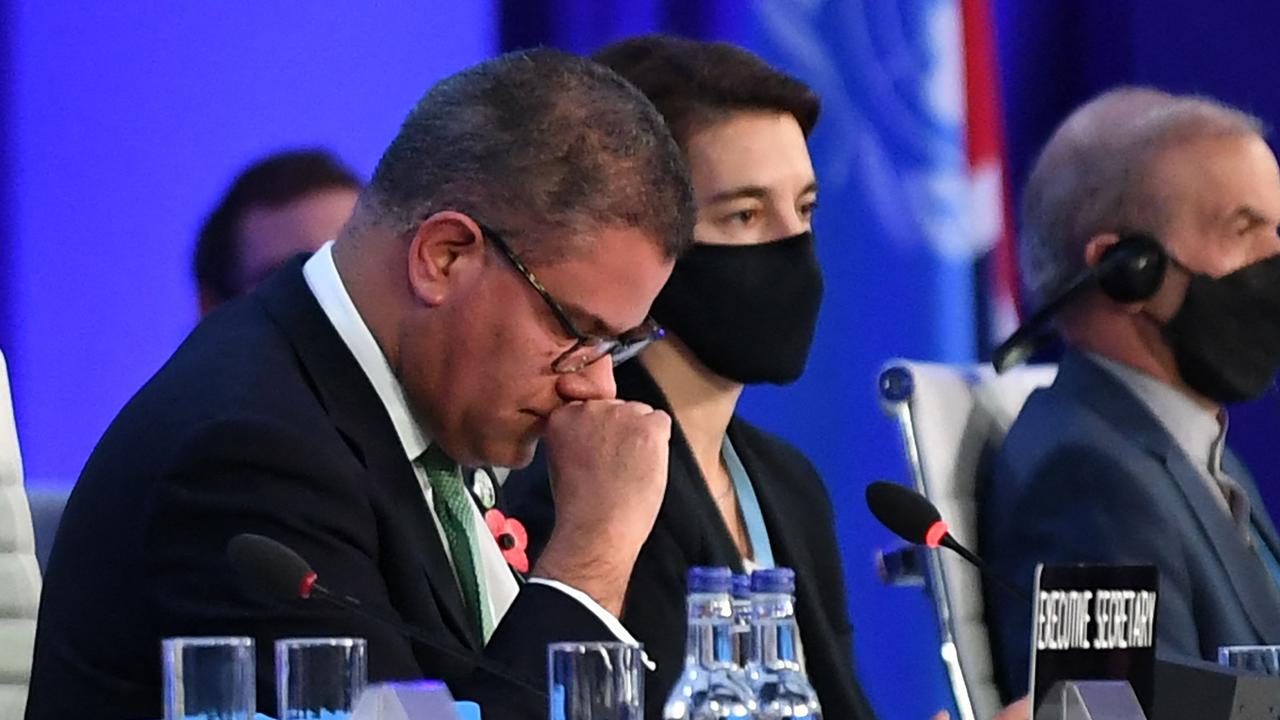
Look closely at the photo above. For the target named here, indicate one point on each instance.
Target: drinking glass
(208, 678)
(319, 677)
(595, 681)
(1256, 659)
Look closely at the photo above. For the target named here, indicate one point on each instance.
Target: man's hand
(608, 466)
(1019, 710)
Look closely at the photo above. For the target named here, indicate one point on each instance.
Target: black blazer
(1087, 474)
(689, 532)
(262, 421)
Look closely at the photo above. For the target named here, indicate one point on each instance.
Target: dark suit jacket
(263, 422)
(689, 532)
(1088, 475)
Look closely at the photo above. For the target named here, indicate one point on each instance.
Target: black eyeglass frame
(588, 348)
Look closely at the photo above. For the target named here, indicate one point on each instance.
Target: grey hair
(543, 146)
(1092, 176)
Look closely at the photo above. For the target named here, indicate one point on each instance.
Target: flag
(988, 171)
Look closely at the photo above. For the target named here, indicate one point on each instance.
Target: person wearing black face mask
(740, 308)
(1123, 460)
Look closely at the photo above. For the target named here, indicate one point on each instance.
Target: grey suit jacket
(1088, 475)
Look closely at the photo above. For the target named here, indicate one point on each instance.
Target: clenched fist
(608, 467)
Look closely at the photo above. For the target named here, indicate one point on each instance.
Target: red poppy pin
(511, 538)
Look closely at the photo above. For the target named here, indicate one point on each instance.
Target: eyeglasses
(588, 348)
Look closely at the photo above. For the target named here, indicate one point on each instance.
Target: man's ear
(446, 249)
(1097, 247)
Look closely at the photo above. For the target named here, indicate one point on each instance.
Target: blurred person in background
(286, 203)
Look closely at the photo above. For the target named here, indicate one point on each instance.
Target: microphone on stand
(274, 570)
(911, 516)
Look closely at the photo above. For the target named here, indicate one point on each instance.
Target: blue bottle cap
(774, 580)
(709, 579)
(742, 586)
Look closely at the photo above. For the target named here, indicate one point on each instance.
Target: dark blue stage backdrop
(121, 122)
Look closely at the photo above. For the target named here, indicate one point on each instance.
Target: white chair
(19, 573)
(953, 418)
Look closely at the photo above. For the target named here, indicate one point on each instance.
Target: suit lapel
(786, 516)
(407, 493)
(1258, 511)
(1252, 584)
(351, 402)
(486, 492)
(774, 500)
(688, 510)
(1113, 400)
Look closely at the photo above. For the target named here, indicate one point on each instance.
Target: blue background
(123, 121)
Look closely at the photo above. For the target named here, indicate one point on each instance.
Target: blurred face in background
(269, 236)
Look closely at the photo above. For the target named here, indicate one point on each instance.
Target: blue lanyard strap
(749, 505)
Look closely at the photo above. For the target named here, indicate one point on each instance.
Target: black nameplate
(1094, 622)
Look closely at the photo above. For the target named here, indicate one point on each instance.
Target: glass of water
(595, 681)
(1256, 659)
(208, 678)
(319, 677)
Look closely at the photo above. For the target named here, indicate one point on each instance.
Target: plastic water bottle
(741, 625)
(775, 672)
(707, 688)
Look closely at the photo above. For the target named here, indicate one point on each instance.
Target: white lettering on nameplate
(1063, 620)
(1126, 619)
(1123, 619)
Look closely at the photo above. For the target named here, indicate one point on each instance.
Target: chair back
(19, 573)
(953, 418)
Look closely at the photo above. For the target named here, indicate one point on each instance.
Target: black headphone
(1129, 271)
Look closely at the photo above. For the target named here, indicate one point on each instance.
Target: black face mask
(1226, 336)
(747, 311)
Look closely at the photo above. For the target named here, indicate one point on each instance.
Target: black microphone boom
(273, 570)
(911, 516)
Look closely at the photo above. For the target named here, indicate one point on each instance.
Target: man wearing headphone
(1150, 233)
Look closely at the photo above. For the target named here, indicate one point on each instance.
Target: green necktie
(453, 507)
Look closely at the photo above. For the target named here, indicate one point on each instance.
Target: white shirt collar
(326, 284)
(1195, 429)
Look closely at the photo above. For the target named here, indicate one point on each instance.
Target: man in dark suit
(510, 243)
(1123, 459)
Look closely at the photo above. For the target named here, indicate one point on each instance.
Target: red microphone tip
(933, 536)
(309, 581)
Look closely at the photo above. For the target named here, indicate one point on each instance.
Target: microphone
(275, 571)
(911, 516)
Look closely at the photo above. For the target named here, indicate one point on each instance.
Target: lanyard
(749, 504)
